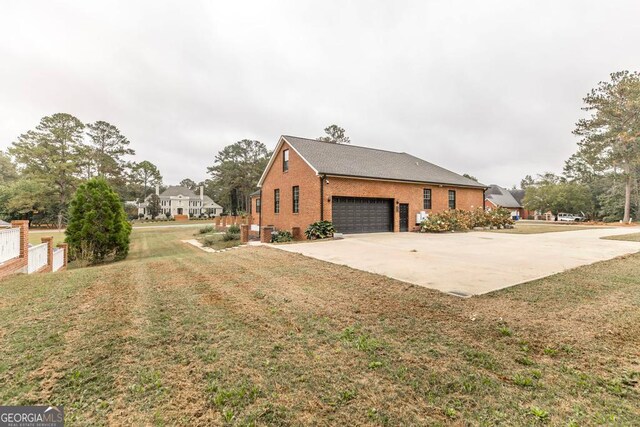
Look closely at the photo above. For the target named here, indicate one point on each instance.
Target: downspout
(322, 178)
(260, 220)
(484, 200)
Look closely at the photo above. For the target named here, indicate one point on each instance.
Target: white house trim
(281, 141)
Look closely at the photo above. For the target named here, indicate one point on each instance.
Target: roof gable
(281, 142)
(501, 197)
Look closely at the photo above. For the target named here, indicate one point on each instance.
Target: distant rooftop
(178, 190)
(502, 197)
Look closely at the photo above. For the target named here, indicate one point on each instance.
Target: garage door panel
(362, 215)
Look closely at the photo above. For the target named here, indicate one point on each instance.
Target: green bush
(461, 220)
(228, 236)
(281, 236)
(210, 241)
(206, 229)
(98, 228)
(235, 229)
(320, 230)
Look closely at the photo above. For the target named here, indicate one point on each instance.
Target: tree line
(44, 167)
(602, 179)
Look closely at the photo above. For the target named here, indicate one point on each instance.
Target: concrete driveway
(469, 263)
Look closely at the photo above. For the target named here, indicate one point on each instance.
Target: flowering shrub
(499, 217)
(461, 220)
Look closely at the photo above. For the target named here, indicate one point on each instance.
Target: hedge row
(461, 220)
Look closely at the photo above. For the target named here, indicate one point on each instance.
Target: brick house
(359, 189)
(498, 197)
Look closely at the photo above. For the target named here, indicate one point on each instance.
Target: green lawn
(176, 336)
(35, 238)
(194, 222)
(537, 228)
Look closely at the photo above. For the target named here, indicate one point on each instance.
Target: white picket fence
(9, 244)
(37, 257)
(58, 259)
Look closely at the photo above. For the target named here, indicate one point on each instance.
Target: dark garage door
(361, 215)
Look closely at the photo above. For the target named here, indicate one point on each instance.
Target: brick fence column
(265, 234)
(244, 233)
(297, 233)
(64, 247)
(49, 242)
(24, 237)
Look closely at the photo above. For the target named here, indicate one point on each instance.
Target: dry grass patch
(537, 228)
(260, 336)
(633, 237)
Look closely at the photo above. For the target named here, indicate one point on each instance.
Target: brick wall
(49, 267)
(18, 265)
(412, 194)
(299, 173)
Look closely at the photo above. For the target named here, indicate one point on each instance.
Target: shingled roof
(501, 197)
(178, 190)
(363, 162)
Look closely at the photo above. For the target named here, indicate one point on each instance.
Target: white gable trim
(281, 141)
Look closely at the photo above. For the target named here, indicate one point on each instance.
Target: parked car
(567, 217)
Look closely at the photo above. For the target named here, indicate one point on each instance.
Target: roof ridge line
(344, 145)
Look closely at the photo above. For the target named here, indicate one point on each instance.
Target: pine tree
(97, 228)
(52, 154)
(611, 135)
(154, 206)
(335, 134)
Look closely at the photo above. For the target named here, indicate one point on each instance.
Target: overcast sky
(490, 88)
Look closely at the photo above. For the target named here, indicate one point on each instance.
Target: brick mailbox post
(244, 233)
(265, 235)
(296, 232)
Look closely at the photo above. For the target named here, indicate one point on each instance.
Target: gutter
(373, 178)
(260, 220)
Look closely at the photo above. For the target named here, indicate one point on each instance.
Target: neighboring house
(498, 197)
(177, 200)
(359, 189)
(254, 210)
